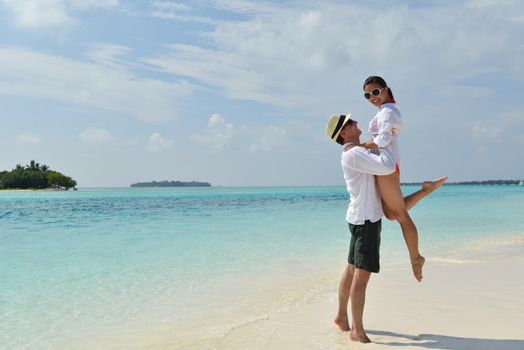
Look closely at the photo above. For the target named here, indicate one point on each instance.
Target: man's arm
(363, 161)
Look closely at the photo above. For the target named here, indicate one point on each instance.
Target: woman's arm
(390, 125)
(370, 145)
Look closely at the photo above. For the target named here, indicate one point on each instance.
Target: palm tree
(32, 165)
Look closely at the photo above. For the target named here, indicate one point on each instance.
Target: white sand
(469, 300)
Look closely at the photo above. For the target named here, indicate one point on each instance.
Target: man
(364, 216)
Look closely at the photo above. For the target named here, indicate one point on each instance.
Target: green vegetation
(166, 183)
(35, 176)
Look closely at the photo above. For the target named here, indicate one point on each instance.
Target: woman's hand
(370, 145)
(348, 147)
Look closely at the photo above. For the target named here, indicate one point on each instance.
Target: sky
(238, 93)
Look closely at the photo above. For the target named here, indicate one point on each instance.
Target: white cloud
(500, 132)
(295, 55)
(247, 7)
(108, 54)
(221, 135)
(38, 13)
(516, 115)
(486, 131)
(50, 13)
(176, 11)
(465, 91)
(224, 70)
(94, 135)
(218, 135)
(158, 143)
(487, 3)
(28, 139)
(215, 119)
(270, 138)
(170, 6)
(113, 87)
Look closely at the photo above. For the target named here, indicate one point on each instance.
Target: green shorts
(365, 245)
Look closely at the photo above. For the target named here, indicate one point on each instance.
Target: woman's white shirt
(387, 119)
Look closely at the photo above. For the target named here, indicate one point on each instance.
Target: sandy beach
(470, 299)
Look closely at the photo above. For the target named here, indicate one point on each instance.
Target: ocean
(183, 267)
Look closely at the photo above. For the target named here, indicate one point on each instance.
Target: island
(166, 183)
(475, 183)
(34, 176)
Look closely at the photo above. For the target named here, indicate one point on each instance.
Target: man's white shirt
(360, 167)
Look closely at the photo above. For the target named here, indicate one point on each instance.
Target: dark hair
(378, 80)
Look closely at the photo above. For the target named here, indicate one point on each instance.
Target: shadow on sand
(444, 342)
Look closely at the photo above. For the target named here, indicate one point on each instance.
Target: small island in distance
(477, 183)
(34, 176)
(166, 183)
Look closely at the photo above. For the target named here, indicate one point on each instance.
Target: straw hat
(335, 125)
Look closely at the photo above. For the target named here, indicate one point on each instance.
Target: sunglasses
(374, 92)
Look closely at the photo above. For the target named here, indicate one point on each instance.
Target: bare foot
(342, 323)
(416, 265)
(431, 186)
(361, 337)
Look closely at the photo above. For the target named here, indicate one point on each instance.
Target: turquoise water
(80, 265)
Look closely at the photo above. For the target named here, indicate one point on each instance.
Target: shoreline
(469, 303)
(454, 307)
(292, 306)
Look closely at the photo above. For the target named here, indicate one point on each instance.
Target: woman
(385, 127)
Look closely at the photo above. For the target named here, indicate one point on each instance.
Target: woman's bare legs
(428, 187)
(395, 207)
(410, 201)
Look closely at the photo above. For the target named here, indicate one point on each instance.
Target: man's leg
(344, 290)
(358, 298)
